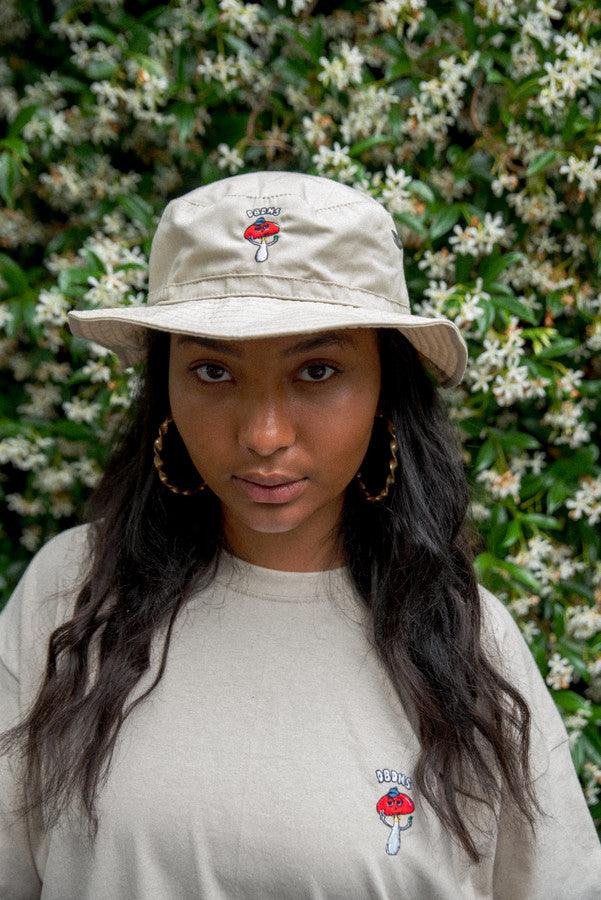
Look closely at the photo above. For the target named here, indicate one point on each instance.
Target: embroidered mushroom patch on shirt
(262, 232)
(396, 806)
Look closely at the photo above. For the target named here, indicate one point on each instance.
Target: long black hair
(410, 556)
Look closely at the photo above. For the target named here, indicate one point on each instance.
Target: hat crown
(283, 234)
(233, 258)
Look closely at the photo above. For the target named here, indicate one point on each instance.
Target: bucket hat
(272, 253)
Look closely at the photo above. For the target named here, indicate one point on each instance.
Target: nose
(266, 426)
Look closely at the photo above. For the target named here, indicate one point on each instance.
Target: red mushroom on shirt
(394, 804)
(258, 233)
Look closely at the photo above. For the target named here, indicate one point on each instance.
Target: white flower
(43, 398)
(108, 290)
(23, 454)
(479, 239)
(521, 606)
(96, 371)
(585, 171)
(31, 537)
(23, 507)
(6, 315)
(78, 410)
(344, 69)
(229, 158)
(560, 673)
(592, 789)
(582, 622)
(501, 484)
(51, 307)
(587, 500)
(53, 480)
(529, 629)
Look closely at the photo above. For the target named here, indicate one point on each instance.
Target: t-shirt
(274, 759)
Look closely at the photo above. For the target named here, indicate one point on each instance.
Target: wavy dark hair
(411, 558)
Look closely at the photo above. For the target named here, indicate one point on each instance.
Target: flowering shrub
(476, 125)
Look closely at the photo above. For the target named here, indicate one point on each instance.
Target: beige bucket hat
(273, 253)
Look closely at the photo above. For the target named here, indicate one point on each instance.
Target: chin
(263, 526)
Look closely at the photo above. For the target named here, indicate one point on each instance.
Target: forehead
(284, 346)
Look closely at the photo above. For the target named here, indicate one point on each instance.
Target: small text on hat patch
(263, 232)
(395, 805)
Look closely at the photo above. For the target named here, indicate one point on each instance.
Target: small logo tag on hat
(263, 232)
(395, 805)
(396, 238)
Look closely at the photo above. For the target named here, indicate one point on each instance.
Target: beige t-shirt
(274, 760)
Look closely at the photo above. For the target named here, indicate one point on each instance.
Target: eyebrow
(329, 337)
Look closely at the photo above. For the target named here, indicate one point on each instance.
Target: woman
(229, 687)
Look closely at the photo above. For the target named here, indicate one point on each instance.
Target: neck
(288, 551)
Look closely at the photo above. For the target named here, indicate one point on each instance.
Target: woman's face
(301, 407)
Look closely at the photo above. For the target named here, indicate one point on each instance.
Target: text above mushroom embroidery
(262, 232)
(394, 805)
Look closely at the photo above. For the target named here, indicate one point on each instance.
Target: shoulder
(44, 594)
(497, 621)
(501, 632)
(512, 657)
(65, 550)
(502, 638)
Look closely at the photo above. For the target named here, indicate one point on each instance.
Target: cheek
(341, 436)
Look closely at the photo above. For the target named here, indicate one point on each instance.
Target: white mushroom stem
(261, 254)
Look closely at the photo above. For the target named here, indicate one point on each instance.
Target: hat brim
(438, 340)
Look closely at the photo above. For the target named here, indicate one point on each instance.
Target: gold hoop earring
(392, 466)
(158, 462)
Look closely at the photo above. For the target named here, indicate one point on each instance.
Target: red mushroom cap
(261, 228)
(395, 804)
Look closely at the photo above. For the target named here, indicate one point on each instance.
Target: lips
(269, 480)
(279, 493)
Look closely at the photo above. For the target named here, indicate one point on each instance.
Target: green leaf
(515, 440)
(412, 222)
(13, 274)
(591, 746)
(538, 520)
(25, 114)
(497, 263)
(542, 161)
(515, 307)
(443, 220)
(185, 114)
(487, 455)
(10, 177)
(557, 495)
(463, 268)
(590, 388)
(558, 348)
(138, 209)
(101, 33)
(422, 190)
(373, 141)
(525, 88)
(579, 462)
(17, 147)
(72, 279)
(100, 69)
(568, 700)
(314, 44)
(513, 534)
(519, 574)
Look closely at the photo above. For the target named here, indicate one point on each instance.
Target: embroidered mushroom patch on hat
(262, 232)
(395, 805)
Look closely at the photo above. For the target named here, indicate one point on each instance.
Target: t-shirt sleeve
(32, 612)
(564, 859)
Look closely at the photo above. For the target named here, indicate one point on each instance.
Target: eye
(211, 368)
(320, 366)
